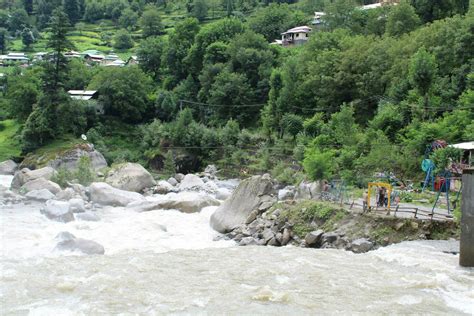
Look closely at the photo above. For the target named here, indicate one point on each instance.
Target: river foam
(166, 262)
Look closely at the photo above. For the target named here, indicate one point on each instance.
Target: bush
(62, 177)
(85, 174)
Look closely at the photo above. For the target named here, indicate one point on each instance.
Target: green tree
(292, 124)
(124, 92)
(199, 9)
(275, 19)
(180, 42)
(150, 22)
(402, 19)
(55, 73)
(422, 72)
(150, 54)
(430, 10)
(339, 13)
(319, 165)
(22, 94)
(230, 91)
(27, 37)
(3, 40)
(72, 9)
(128, 19)
(123, 40)
(18, 20)
(28, 5)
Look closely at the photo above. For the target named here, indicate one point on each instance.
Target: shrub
(62, 177)
(85, 173)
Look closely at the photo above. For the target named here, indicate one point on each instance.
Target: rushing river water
(166, 262)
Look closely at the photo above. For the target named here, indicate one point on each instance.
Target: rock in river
(25, 175)
(249, 196)
(69, 242)
(130, 177)
(58, 211)
(38, 184)
(104, 194)
(8, 167)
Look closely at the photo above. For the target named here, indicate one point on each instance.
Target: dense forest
(368, 92)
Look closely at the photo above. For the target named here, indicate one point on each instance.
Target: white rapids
(166, 262)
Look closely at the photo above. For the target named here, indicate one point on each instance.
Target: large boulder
(104, 194)
(8, 167)
(38, 184)
(163, 187)
(308, 191)
(187, 202)
(70, 159)
(192, 182)
(39, 195)
(69, 242)
(250, 195)
(313, 239)
(58, 211)
(361, 245)
(130, 177)
(25, 175)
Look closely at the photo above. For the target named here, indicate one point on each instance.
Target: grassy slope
(9, 147)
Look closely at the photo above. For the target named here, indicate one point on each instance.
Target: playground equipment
(427, 165)
(388, 186)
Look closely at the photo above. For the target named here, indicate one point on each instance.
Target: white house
(318, 19)
(295, 36)
(15, 57)
(84, 95)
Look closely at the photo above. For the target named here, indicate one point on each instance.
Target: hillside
(364, 92)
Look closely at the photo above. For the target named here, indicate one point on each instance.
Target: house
(115, 63)
(379, 4)
(14, 58)
(89, 98)
(83, 94)
(133, 60)
(318, 19)
(72, 54)
(467, 158)
(92, 58)
(295, 36)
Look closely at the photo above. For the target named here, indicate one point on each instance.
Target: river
(167, 262)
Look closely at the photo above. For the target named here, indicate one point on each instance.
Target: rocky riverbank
(255, 211)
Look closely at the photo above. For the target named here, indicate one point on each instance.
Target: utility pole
(466, 253)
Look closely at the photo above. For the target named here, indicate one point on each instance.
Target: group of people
(381, 198)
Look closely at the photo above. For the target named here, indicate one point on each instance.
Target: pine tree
(56, 71)
(72, 9)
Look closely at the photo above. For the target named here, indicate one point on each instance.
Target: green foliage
(443, 157)
(275, 19)
(150, 55)
(402, 19)
(422, 71)
(124, 92)
(169, 166)
(123, 40)
(128, 19)
(319, 165)
(62, 177)
(85, 174)
(292, 124)
(150, 22)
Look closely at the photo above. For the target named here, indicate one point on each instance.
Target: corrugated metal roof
(464, 146)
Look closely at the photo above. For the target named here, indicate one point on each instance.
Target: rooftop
(298, 29)
(464, 146)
